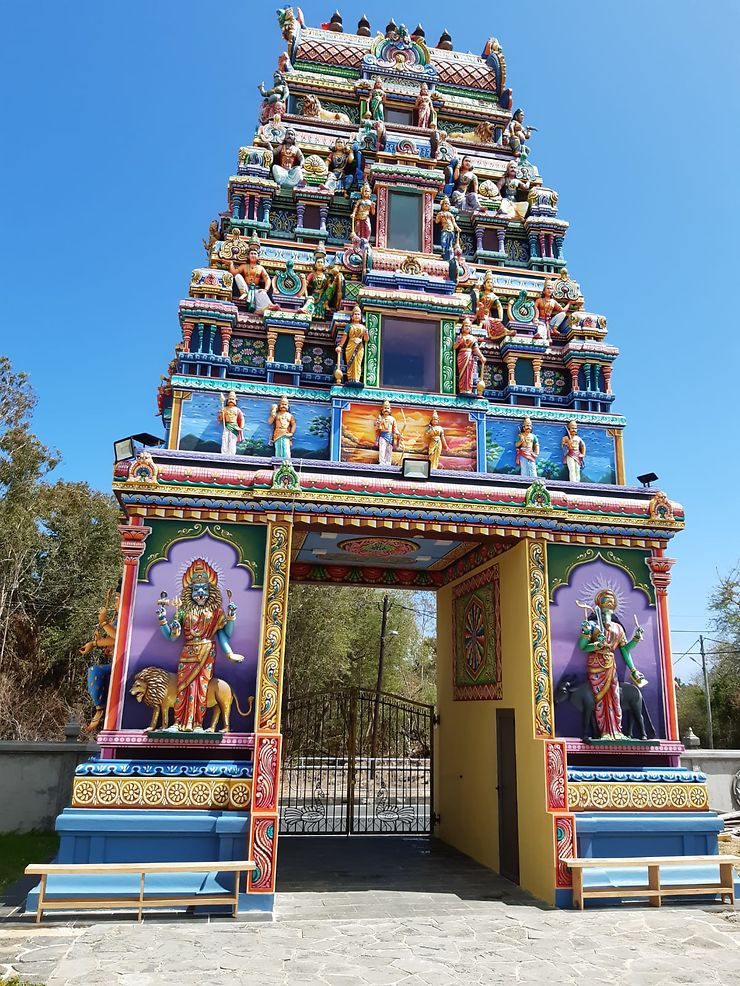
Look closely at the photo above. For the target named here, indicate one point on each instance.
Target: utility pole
(379, 683)
(710, 725)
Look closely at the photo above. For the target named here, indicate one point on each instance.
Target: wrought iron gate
(356, 761)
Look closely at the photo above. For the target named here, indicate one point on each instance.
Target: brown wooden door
(508, 816)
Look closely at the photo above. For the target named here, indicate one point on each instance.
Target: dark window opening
(409, 354)
(401, 117)
(404, 221)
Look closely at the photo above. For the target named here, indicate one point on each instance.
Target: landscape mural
(501, 435)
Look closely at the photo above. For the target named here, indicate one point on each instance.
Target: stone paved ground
(385, 912)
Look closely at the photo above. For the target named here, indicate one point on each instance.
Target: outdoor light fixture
(647, 479)
(125, 448)
(415, 468)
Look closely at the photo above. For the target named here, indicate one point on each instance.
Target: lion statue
(483, 134)
(157, 688)
(313, 109)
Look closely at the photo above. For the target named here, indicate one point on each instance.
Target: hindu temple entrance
(357, 761)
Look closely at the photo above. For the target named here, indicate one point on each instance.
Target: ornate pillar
(479, 232)
(660, 576)
(187, 332)
(133, 542)
(236, 206)
(533, 245)
(537, 369)
(381, 225)
(300, 338)
(511, 360)
(559, 241)
(616, 434)
(427, 235)
(263, 831)
(226, 332)
(271, 340)
(300, 209)
(501, 236)
(539, 620)
(178, 396)
(588, 377)
(574, 368)
(606, 369)
(266, 203)
(323, 213)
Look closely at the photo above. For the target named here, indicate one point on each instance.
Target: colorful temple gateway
(387, 376)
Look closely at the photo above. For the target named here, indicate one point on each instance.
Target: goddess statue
(467, 349)
(426, 115)
(387, 434)
(465, 186)
(364, 208)
(436, 441)
(104, 638)
(489, 312)
(550, 313)
(353, 340)
(231, 417)
(200, 618)
(275, 98)
(376, 103)
(527, 450)
(325, 288)
(574, 451)
(600, 638)
(508, 186)
(283, 429)
(516, 133)
(341, 164)
(449, 228)
(252, 280)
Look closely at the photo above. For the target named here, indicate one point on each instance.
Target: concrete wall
(720, 766)
(36, 782)
(466, 779)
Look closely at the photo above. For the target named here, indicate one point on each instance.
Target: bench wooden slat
(223, 866)
(635, 861)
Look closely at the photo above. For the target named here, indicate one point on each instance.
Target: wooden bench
(138, 901)
(653, 890)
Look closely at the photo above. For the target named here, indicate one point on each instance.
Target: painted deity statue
(275, 98)
(283, 428)
(353, 341)
(449, 228)
(436, 441)
(104, 639)
(426, 115)
(601, 636)
(201, 620)
(376, 103)
(252, 280)
(341, 164)
(288, 168)
(527, 450)
(231, 419)
(489, 311)
(550, 313)
(325, 289)
(465, 186)
(516, 133)
(574, 451)
(363, 210)
(209, 244)
(508, 186)
(387, 434)
(466, 346)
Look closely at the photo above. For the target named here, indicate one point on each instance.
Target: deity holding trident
(600, 637)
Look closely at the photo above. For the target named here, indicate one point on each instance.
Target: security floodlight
(125, 448)
(415, 468)
(647, 479)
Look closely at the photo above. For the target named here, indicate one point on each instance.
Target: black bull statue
(635, 716)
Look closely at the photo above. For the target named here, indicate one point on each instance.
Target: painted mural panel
(501, 435)
(232, 557)
(476, 638)
(359, 443)
(200, 429)
(576, 575)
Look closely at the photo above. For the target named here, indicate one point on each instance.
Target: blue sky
(121, 123)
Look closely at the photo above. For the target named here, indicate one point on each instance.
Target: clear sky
(121, 123)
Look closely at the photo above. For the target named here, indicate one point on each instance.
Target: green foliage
(18, 850)
(333, 640)
(59, 555)
(692, 710)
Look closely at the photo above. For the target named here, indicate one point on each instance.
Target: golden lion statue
(483, 134)
(313, 109)
(157, 688)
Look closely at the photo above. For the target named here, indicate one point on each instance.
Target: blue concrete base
(101, 836)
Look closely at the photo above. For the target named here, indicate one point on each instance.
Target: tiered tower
(388, 238)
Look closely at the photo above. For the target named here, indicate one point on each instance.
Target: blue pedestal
(133, 836)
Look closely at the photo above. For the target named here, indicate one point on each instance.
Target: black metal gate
(356, 761)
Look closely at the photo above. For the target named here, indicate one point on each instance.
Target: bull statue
(636, 718)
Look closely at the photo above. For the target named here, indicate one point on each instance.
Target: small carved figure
(483, 134)
(288, 169)
(157, 688)
(212, 237)
(376, 103)
(489, 312)
(516, 133)
(200, 618)
(252, 280)
(341, 164)
(313, 109)
(104, 638)
(289, 23)
(466, 346)
(449, 228)
(426, 115)
(231, 419)
(574, 451)
(353, 340)
(283, 429)
(509, 185)
(436, 441)
(550, 313)
(325, 288)
(465, 186)
(363, 210)
(275, 98)
(387, 434)
(527, 450)
(601, 636)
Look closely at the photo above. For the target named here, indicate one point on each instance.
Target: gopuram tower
(386, 375)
